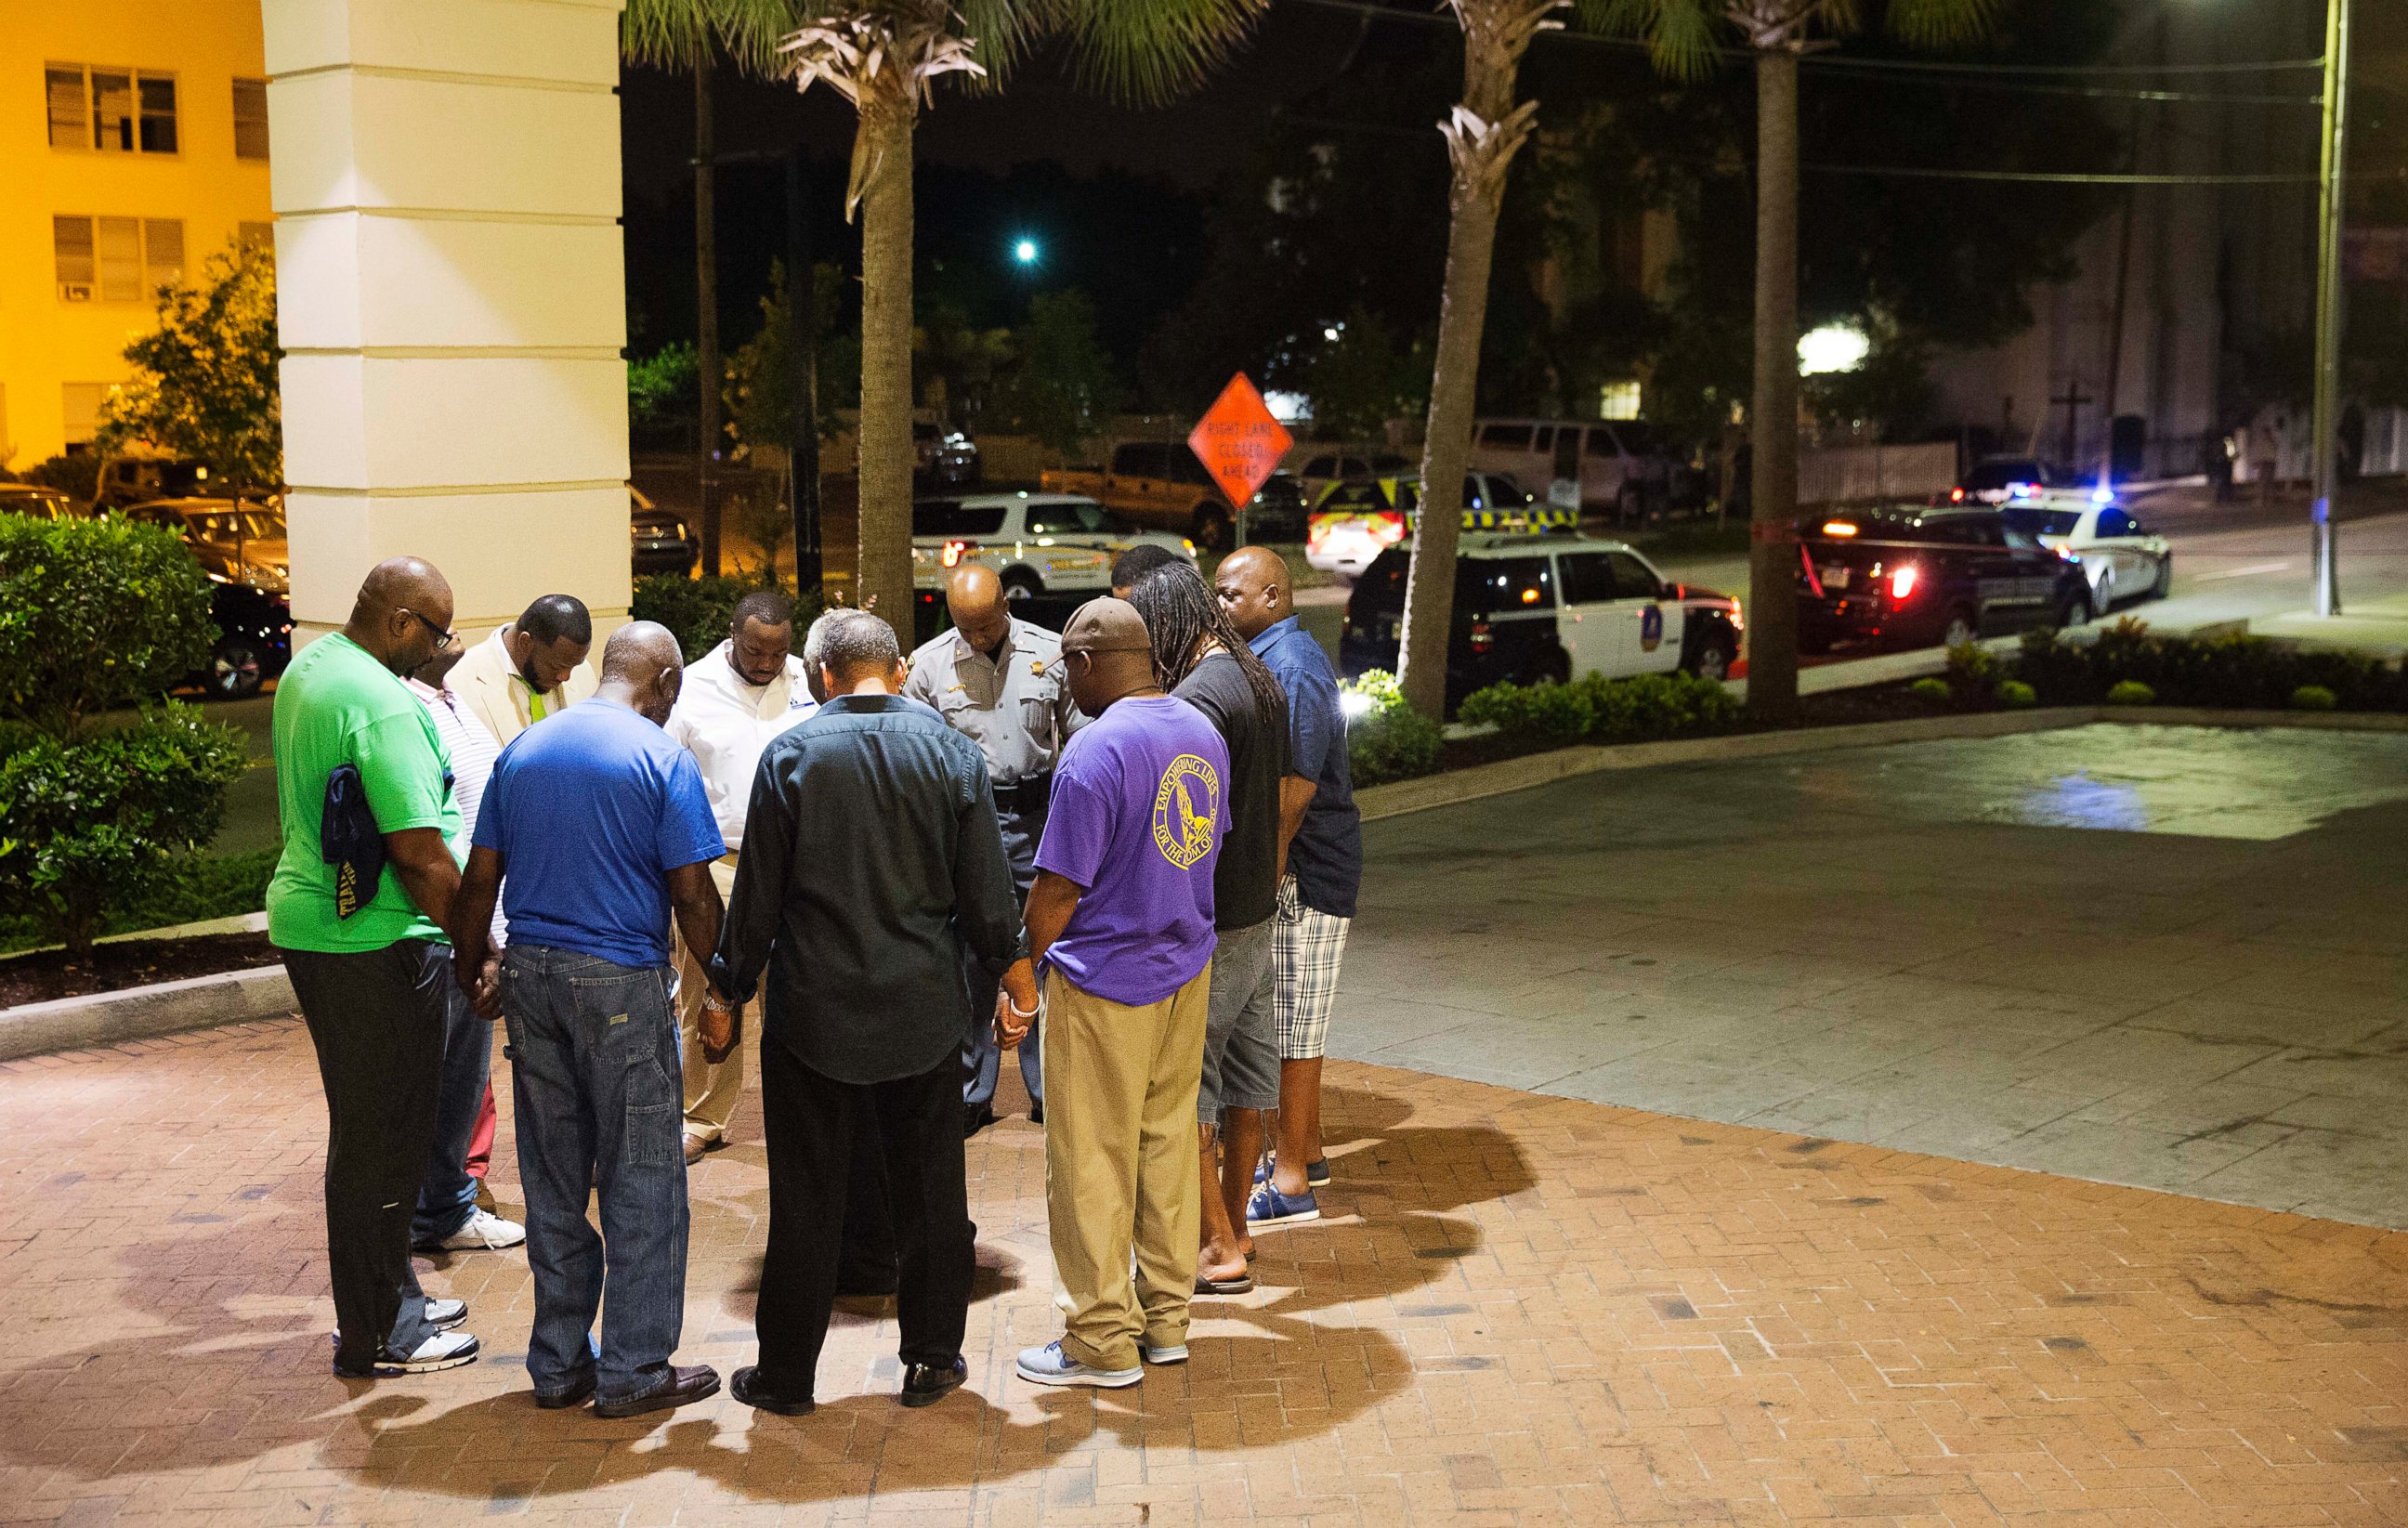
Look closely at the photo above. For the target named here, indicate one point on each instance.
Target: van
(1604, 466)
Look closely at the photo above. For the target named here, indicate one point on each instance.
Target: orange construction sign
(1238, 442)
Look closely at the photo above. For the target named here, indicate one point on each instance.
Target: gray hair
(852, 643)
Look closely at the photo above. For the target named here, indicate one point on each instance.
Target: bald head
(974, 598)
(642, 669)
(1252, 583)
(402, 615)
(1107, 654)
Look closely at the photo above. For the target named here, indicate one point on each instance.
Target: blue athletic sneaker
(1316, 1174)
(1050, 1366)
(1268, 1206)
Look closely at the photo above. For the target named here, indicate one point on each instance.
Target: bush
(1641, 709)
(76, 476)
(2131, 692)
(2016, 695)
(190, 888)
(2246, 671)
(2312, 697)
(1933, 691)
(94, 827)
(1389, 740)
(94, 614)
(696, 610)
(1974, 670)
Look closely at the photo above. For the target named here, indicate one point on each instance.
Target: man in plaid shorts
(1324, 866)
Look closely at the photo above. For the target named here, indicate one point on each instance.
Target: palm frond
(1941, 23)
(1146, 53)
(1679, 34)
(670, 33)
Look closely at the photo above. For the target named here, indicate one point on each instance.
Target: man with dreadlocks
(1204, 662)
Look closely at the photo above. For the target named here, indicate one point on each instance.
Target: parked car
(2120, 556)
(1610, 466)
(1324, 468)
(33, 499)
(254, 640)
(1547, 609)
(1279, 511)
(1916, 576)
(1355, 521)
(237, 541)
(1037, 543)
(944, 458)
(1159, 485)
(659, 540)
(2017, 479)
(128, 481)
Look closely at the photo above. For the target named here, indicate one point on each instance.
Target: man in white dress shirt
(738, 696)
(532, 668)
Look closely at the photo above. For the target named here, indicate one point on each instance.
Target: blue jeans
(593, 1050)
(981, 1062)
(449, 1195)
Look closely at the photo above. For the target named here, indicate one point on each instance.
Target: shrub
(1387, 740)
(1974, 670)
(2131, 692)
(94, 614)
(1641, 708)
(76, 476)
(2312, 697)
(1933, 691)
(2248, 672)
(2016, 695)
(696, 610)
(191, 888)
(93, 827)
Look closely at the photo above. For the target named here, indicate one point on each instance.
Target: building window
(250, 118)
(117, 111)
(71, 107)
(1618, 400)
(83, 403)
(116, 259)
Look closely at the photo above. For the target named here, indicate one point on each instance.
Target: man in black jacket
(871, 855)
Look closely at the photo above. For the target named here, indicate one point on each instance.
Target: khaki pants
(1119, 1165)
(710, 1092)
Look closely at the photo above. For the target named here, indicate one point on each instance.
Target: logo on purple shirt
(1186, 806)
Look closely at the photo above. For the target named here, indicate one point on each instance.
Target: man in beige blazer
(532, 668)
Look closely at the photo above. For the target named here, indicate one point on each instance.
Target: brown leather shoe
(687, 1382)
(694, 1147)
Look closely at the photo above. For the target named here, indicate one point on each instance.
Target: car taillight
(1902, 581)
(1483, 637)
(1955, 495)
(1390, 530)
(954, 553)
(2068, 552)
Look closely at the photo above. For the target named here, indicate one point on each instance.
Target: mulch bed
(47, 974)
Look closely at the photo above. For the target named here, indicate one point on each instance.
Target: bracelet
(1016, 1011)
(713, 1003)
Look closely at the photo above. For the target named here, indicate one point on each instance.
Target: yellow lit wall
(47, 343)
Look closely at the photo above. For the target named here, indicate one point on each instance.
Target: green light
(1025, 251)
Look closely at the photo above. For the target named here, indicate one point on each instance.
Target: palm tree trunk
(706, 293)
(883, 572)
(1494, 33)
(1772, 576)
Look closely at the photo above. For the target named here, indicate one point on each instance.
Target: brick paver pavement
(1525, 1310)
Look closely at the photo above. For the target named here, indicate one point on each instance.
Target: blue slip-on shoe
(1050, 1366)
(1316, 1174)
(1268, 1206)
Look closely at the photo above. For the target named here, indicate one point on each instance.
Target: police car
(1037, 543)
(1538, 609)
(1354, 523)
(2119, 554)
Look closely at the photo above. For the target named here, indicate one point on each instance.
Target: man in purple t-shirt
(1121, 921)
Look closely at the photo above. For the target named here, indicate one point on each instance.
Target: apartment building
(133, 146)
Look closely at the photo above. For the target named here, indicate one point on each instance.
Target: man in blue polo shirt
(602, 825)
(1322, 836)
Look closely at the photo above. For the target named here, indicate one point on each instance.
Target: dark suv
(1911, 576)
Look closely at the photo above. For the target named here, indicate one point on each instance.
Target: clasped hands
(1015, 1005)
(721, 1026)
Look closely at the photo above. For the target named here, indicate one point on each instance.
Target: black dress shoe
(746, 1387)
(578, 1391)
(925, 1384)
(1036, 1114)
(687, 1382)
(976, 1119)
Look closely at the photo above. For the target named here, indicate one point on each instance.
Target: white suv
(1037, 543)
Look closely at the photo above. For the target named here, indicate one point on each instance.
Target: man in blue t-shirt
(1322, 840)
(1121, 919)
(602, 825)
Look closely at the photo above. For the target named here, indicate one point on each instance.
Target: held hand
(721, 1028)
(485, 994)
(1009, 1033)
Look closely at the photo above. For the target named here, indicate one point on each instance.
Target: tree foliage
(1060, 385)
(204, 381)
(94, 614)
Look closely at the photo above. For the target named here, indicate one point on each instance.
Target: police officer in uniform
(997, 681)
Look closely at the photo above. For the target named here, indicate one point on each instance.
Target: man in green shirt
(365, 943)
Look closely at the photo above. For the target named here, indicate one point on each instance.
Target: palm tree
(1682, 36)
(1482, 135)
(885, 57)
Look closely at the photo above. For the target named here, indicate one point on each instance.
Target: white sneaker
(443, 1315)
(443, 1350)
(1168, 1352)
(484, 1232)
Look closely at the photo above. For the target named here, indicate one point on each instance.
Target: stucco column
(451, 296)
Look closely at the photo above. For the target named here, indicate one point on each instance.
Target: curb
(141, 1013)
(1455, 787)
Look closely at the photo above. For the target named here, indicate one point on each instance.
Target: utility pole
(706, 286)
(803, 386)
(2326, 415)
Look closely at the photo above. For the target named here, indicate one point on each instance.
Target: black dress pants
(377, 1019)
(814, 1128)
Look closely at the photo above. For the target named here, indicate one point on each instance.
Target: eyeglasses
(443, 639)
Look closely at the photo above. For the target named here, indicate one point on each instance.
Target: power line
(2068, 177)
(2097, 92)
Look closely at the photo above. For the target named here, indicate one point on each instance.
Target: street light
(2324, 418)
(1025, 251)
